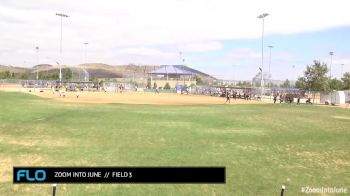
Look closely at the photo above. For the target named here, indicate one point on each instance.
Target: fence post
(282, 190)
(54, 190)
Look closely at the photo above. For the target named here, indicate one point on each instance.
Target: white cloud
(201, 46)
(340, 61)
(243, 53)
(189, 25)
(281, 55)
(144, 52)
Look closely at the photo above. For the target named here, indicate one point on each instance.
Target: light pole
(60, 63)
(85, 77)
(37, 62)
(234, 76)
(262, 16)
(342, 67)
(330, 69)
(47, 68)
(182, 60)
(270, 62)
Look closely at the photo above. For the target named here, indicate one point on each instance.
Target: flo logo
(26, 176)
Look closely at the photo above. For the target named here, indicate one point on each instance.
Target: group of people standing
(235, 95)
(62, 90)
(286, 98)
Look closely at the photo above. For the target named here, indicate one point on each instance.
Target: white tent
(335, 97)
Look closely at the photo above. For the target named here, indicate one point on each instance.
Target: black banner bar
(202, 175)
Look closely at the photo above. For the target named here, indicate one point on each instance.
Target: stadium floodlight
(262, 16)
(330, 67)
(62, 16)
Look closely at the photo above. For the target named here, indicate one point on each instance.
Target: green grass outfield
(262, 146)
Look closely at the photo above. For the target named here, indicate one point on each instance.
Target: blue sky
(289, 56)
(221, 38)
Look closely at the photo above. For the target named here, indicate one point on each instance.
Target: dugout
(334, 98)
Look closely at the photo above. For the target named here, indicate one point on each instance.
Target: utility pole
(262, 16)
(85, 77)
(342, 67)
(60, 63)
(330, 70)
(37, 62)
(270, 62)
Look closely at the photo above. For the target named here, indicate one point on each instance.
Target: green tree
(335, 84)
(93, 79)
(67, 74)
(42, 75)
(101, 83)
(315, 78)
(49, 75)
(272, 85)
(167, 86)
(55, 75)
(244, 84)
(346, 81)
(286, 84)
(24, 76)
(149, 85)
(5, 75)
(199, 81)
(300, 83)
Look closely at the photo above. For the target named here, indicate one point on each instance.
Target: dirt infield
(138, 98)
(10, 87)
(126, 97)
(135, 97)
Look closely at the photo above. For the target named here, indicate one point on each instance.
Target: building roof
(171, 69)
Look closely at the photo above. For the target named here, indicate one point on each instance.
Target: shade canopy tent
(171, 75)
(171, 69)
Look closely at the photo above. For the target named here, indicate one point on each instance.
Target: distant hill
(13, 69)
(100, 70)
(16, 69)
(43, 67)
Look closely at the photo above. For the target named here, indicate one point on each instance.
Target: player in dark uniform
(228, 97)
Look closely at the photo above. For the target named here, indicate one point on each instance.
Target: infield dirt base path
(138, 98)
(126, 97)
